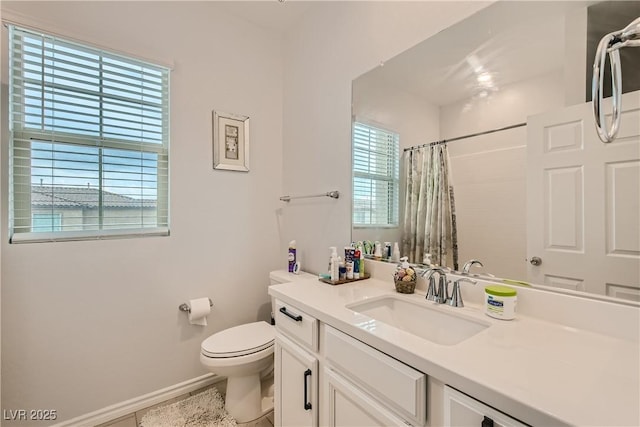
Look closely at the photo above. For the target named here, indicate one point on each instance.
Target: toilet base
(247, 399)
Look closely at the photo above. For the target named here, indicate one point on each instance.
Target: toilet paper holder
(185, 307)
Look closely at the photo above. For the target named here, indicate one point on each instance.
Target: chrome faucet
(439, 295)
(456, 295)
(467, 265)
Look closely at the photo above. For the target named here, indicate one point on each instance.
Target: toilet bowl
(244, 354)
(241, 354)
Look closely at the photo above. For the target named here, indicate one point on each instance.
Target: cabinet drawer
(461, 410)
(297, 324)
(397, 385)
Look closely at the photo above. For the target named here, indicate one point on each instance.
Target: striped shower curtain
(429, 210)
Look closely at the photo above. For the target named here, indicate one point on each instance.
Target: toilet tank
(283, 276)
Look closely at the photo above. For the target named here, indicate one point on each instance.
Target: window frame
(392, 178)
(22, 137)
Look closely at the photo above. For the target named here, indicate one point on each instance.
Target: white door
(296, 385)
(583, 197)
(461, 410)
(345, 405)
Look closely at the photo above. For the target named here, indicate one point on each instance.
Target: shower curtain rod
(415, 147)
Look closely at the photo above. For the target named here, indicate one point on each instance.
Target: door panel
(583, 201)
(346, 405)
(296, 385)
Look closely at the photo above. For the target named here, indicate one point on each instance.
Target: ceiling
(506, 42)
(271, 14)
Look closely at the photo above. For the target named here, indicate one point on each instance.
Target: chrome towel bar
(333, 194)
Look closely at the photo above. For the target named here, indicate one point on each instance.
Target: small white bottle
(395, 255)
(377, 252)
(334, 264)
(427, 260)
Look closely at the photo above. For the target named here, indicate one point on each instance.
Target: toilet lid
(239, 340)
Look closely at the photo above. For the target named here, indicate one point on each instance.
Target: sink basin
(419, 317)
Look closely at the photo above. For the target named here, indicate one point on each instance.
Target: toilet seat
(239, 341)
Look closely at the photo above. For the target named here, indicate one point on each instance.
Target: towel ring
(610, 45)
(606, 135)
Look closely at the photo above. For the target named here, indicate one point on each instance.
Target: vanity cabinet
(326, 377)
(296, 385)
(365, 387)
(296, 368)
(347, 405)
(461, 410)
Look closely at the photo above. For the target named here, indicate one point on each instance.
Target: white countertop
(539, 372)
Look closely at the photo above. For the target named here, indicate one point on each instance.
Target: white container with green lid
(500, 302)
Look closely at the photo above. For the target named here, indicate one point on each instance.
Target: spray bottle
(292, 255)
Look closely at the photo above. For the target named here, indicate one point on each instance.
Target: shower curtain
(429, 210)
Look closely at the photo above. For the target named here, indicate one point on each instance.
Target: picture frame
(230, 141)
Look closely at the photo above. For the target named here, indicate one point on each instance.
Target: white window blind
(89, 141)
(376, 169)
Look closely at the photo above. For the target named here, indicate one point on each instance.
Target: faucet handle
(439, 294)
(432, 292)
(456, 296)
(443, 289)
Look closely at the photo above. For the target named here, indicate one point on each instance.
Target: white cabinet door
(348, 406)
(296, 385)
(461, 410)
(399, 386)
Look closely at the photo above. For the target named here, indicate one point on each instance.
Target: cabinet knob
(487, 422)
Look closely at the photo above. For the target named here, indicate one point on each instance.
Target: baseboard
(141, 402)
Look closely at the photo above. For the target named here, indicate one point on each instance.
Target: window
(89, 141)
(376, 179)
(46, 222)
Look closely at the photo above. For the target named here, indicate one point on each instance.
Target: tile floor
(133, 420)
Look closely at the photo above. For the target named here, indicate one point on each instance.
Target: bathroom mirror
(475, 84)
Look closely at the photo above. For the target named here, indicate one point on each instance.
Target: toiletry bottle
(349, 254)
(377, 252)
(427, 260)
(349, 270)
(335, 265)
(387, 250)
(292, 255)
(332, 249)
(361, 263)
(395, 256)
(356, 264)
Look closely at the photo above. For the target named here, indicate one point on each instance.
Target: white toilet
(244, 354)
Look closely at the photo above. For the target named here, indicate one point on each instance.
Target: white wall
(90, 324)
(489, 171)
(414, 119)
(327, 50)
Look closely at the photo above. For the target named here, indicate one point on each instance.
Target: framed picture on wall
(230, 141)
